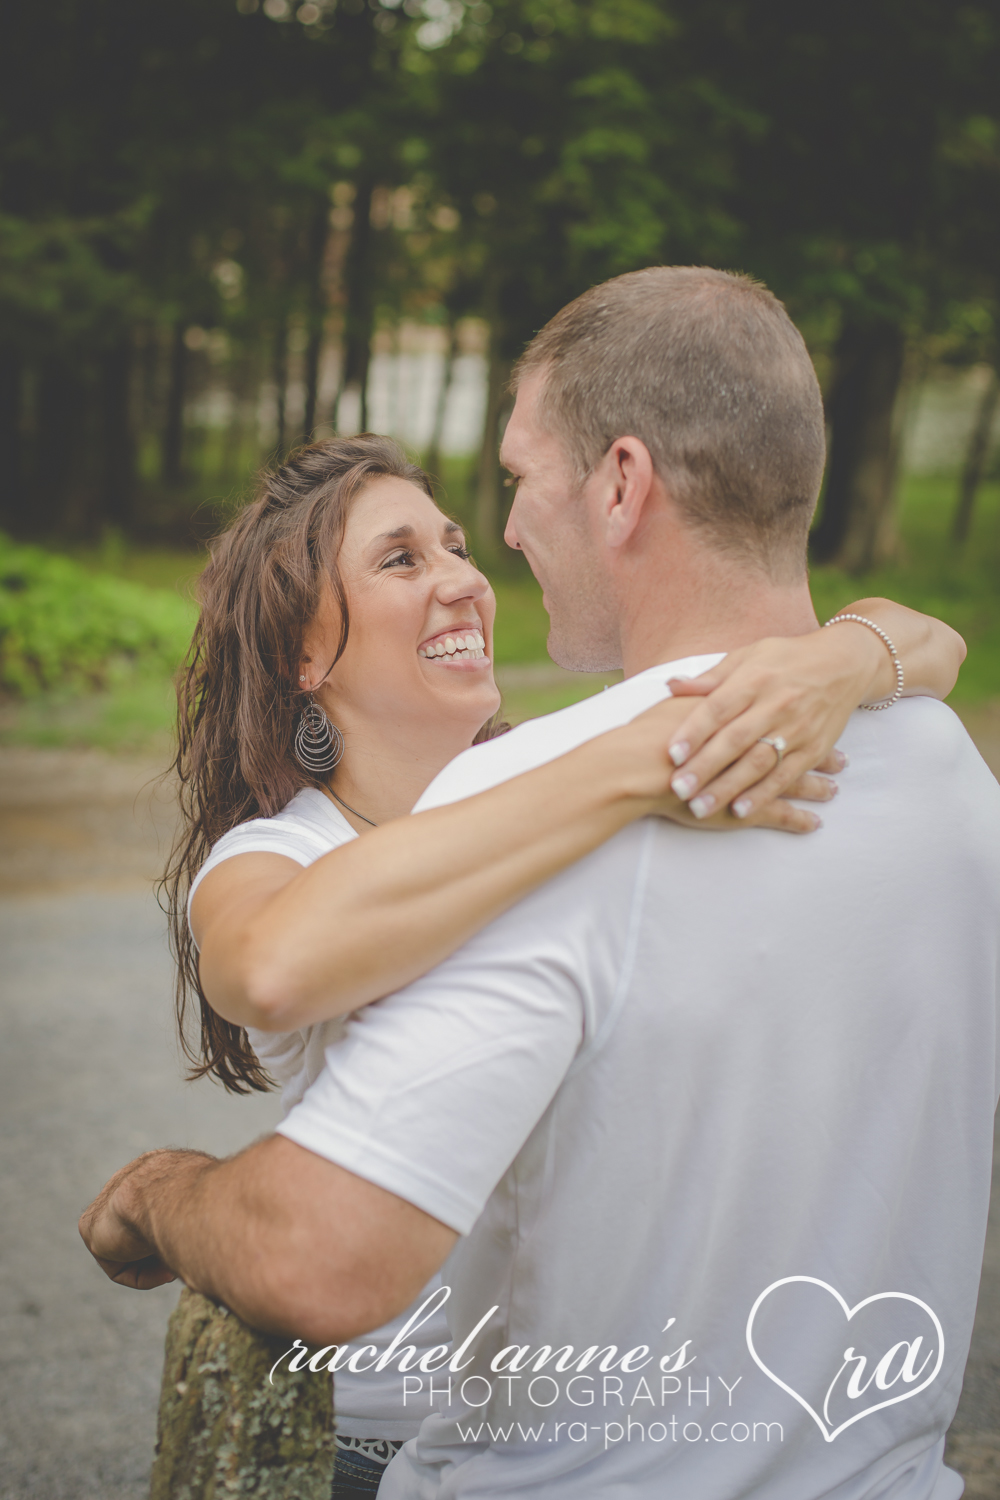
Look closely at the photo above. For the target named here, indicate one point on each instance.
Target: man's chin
(581, 656)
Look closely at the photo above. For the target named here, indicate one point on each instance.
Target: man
(713, 1117)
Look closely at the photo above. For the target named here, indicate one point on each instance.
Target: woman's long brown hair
(238, 695)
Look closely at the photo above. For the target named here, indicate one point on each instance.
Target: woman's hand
(770, 811)
(803, 688)
(639, 749)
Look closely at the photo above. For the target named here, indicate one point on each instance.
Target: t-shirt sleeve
(434, 1090)
(263, 836)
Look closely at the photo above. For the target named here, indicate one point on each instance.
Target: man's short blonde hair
(709, 371)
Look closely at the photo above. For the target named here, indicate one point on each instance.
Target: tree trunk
(149, 378)
(447, 376)
(975, 458)
(59, 449)
(117, 441)
(173, 431)
(857, 529)
(489, 480)
(229, 1423)
(359, 290)
(280, 374)
(244, 385)
(11, 498)
(318, 230)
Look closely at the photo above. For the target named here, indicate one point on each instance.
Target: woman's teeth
(468, 646)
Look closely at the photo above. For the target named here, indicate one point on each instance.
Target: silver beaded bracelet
(898, 665)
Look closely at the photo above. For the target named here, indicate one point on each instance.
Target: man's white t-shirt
(713, 1113)
(369, 1402)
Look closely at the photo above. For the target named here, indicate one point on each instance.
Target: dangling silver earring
(319, 744)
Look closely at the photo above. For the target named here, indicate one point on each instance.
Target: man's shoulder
(925, 732)
(538, 741)
(918, 759)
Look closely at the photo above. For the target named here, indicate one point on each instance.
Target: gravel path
(89, 1077)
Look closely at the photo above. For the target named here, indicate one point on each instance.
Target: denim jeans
(355, 1476)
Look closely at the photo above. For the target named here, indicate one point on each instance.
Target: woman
(344, 597)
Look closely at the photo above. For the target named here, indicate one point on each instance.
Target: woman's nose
(462, 581)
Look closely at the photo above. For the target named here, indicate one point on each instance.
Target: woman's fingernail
(742, 807)
(817, 821)
(679, 753)
(834, 788)
(702, 806)
(845, 760)
(683, 786)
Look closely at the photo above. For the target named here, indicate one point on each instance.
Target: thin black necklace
(352, 809)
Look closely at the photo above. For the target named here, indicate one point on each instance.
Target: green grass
(135, 716)
(170, 568)
(132, 706)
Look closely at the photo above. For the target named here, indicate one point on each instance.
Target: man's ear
(629, 476)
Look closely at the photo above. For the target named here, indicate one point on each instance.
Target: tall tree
(575, 142)
(842, 193)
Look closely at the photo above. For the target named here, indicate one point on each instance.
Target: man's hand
(110, 1230)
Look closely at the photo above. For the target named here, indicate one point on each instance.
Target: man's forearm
(286, 1239)
(210, 1230)
(165, 1202)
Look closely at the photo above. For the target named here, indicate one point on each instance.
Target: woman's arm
(283, 947)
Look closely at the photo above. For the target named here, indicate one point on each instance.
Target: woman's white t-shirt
(369, 1404)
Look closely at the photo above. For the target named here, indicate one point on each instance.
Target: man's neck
(714, 610)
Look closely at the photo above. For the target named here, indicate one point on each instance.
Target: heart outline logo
(849, 1314)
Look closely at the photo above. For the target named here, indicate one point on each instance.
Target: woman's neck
(381, 779)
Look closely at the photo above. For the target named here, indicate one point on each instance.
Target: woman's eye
(399, 559)
(461, 551)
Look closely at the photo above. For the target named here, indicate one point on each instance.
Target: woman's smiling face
(419, 652)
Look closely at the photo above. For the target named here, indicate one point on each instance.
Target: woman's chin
(472, 699)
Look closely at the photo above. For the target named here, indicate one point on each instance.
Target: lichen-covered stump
(223, 1429)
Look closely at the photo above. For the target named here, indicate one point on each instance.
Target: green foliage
(206, 168)
(57, 288)
(69, 628)
(522, 626)
(64, 628)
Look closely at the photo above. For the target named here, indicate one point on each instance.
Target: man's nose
(510, 532)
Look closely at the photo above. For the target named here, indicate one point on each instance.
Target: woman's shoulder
(310, 815)
(308, 827)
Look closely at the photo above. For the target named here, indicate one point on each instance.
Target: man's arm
(333, 1226)
(291, 1242)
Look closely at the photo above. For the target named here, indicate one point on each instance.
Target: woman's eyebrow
(401, 534)
(406, 533)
